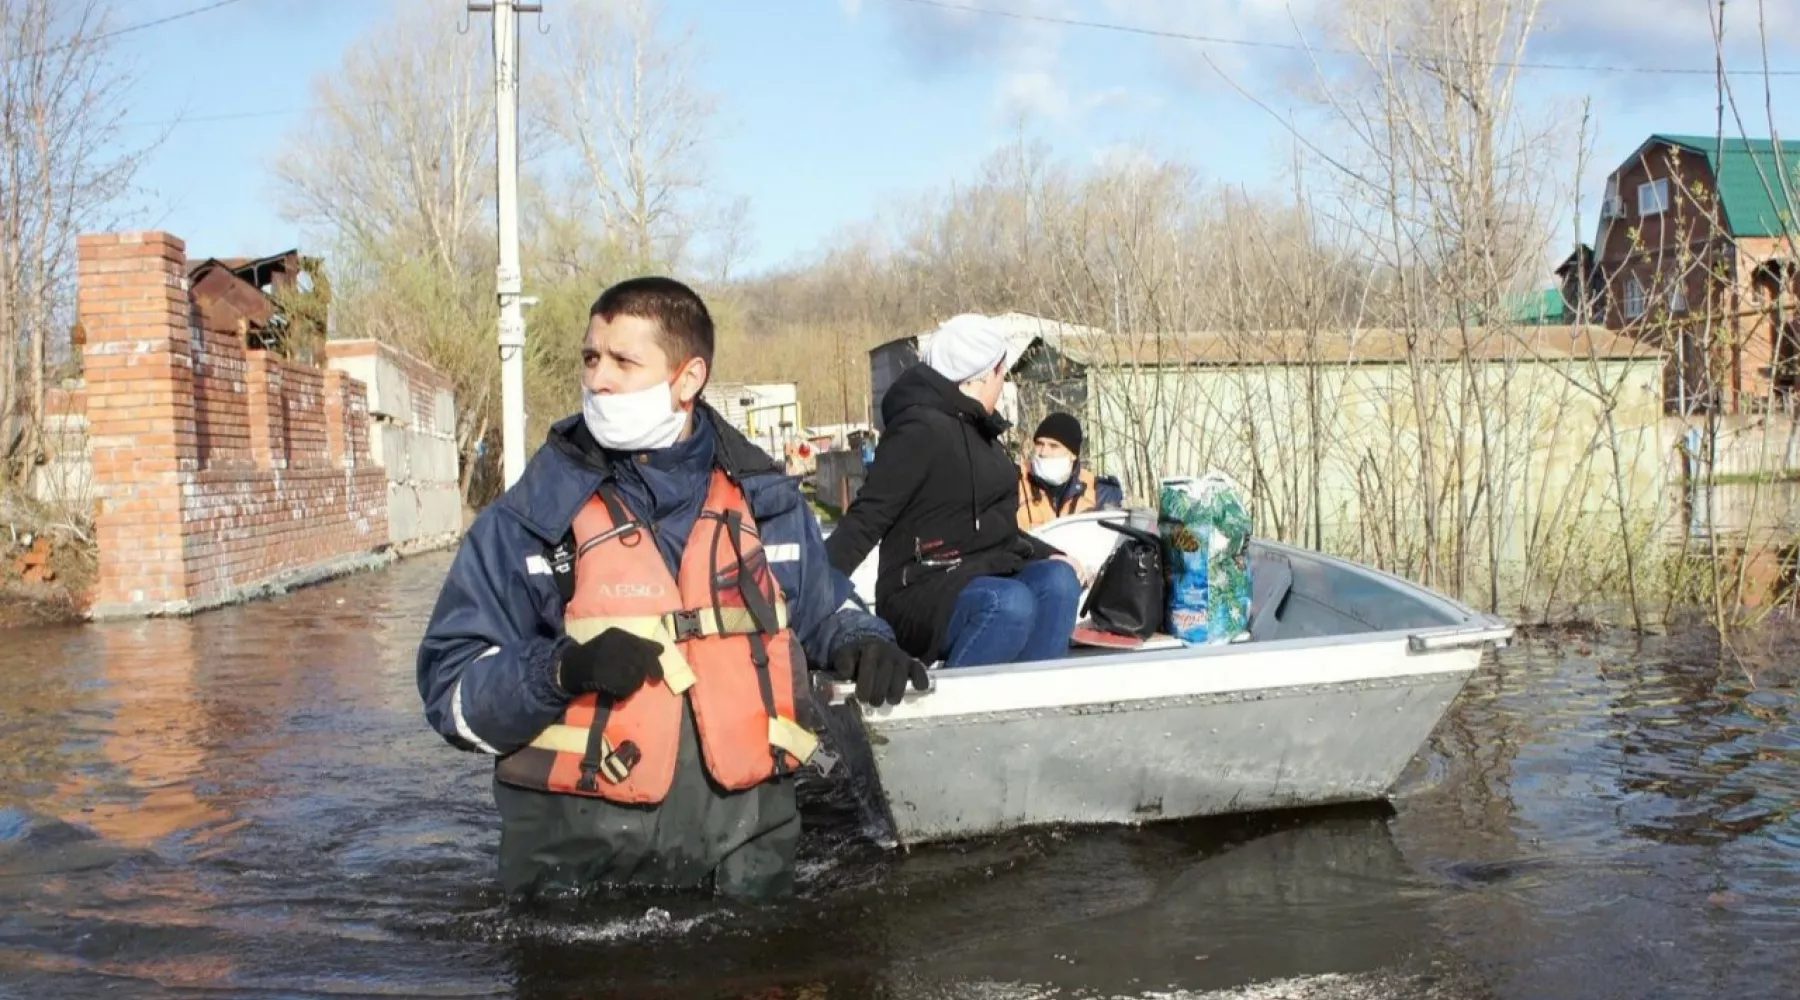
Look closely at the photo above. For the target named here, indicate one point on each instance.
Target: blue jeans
(1018, 619)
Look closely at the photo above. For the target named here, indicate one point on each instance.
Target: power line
(967, 8)
(179, 15)
(1297, 47)
(231, 116)
(127, 29)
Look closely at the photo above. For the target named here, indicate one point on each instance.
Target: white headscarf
(965, 347)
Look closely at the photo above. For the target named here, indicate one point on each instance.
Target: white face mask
(1054, 471)
(645, 420)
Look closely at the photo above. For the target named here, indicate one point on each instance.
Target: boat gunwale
(1221, 696)
(964, 692)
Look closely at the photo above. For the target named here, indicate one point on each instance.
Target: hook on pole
(473, 8)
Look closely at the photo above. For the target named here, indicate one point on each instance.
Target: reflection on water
(249, 803)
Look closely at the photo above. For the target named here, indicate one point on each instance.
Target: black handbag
(1127, 597)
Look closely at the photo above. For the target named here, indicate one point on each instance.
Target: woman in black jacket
(958, 580)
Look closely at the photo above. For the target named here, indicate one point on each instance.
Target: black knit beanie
(1062, 428)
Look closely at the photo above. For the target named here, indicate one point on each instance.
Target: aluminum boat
(1344, 675)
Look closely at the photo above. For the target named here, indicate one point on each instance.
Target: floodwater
(249, 804)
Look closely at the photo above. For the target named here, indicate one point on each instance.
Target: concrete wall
(1541, 425)
(1747, 446)
(65, 480)
(412, 436)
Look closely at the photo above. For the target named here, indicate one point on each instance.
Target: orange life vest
(1037, 507)
(726, 647)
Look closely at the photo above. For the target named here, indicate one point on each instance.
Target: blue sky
(831, 110)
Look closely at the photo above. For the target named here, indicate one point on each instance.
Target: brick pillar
(140, 404)
(339, 448)
(268, 421)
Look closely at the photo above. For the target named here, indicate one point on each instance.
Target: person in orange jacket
(1053, 484)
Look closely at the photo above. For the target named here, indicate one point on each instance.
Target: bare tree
(395, 173)
(732, 239)
(625, 99)
(1440, 181)
(399, 158)
(65, 164)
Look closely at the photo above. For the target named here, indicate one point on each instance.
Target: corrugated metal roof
(1755, 179)
(222, 299)
(1372, 346)
(236, 264)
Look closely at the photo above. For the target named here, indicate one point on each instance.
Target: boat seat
(1274, 578)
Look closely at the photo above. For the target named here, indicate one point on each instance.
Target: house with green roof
(1545, 307)
(1695, 253)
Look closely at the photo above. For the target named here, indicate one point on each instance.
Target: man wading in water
(628, 630)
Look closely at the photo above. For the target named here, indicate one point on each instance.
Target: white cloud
(851, 8)
(1027, 57)
(1641, 33)
(1198, 63)
(1665, 33)
(1658, 35)
(1033, 93)
(1029, 61)
(1638, 33)
(1041, 94)
(938, 38)
(1119, 97)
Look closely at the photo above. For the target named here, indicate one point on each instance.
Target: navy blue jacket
(487, 663)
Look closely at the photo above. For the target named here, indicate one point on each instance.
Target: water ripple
(248, 804)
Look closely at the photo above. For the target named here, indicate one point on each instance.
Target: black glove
(880, 670)
(614, 663)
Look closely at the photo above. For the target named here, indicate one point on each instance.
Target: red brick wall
(215, 467)
(347, 419)
(268, 427)
(303, 397)
(221, 408)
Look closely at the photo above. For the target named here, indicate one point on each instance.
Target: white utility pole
(506, 164)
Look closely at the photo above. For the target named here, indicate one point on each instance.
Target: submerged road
(249, 804)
